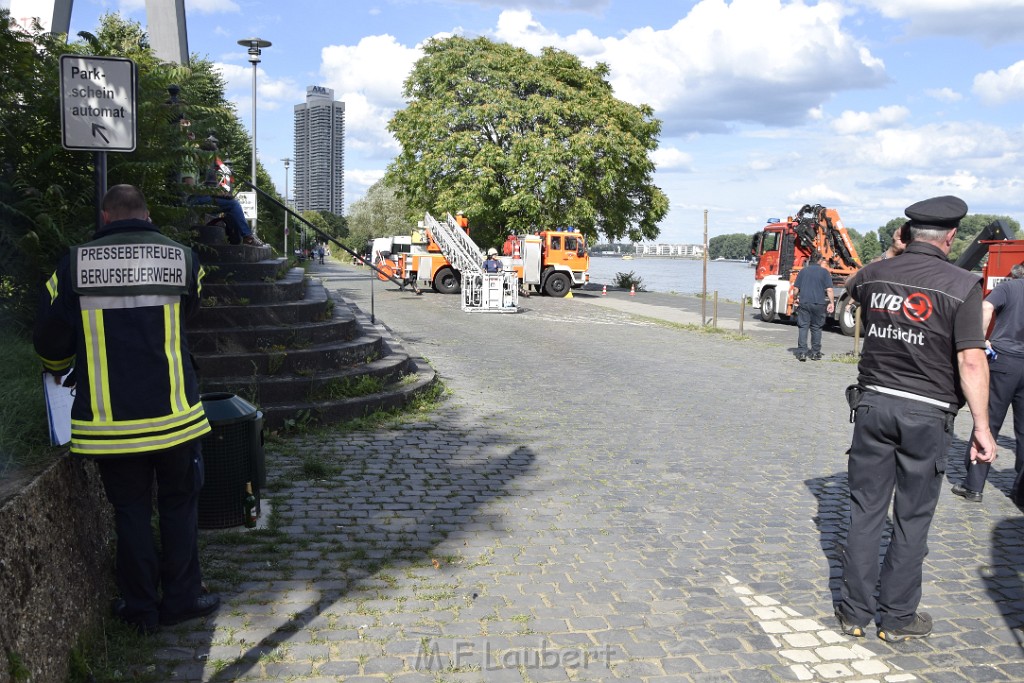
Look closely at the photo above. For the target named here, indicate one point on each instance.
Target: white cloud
(988, 20)
(671, 159)
(997, 87)
(368, 77)
(271, 93)
(714, 67)
(361, 178)
(944, 94)
(708, 71)
(821, 193)
(856, 122)
(941, 147)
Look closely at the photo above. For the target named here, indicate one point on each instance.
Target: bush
(24, 434)
(629, 280)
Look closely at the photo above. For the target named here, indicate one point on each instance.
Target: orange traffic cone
(604, 291)
(632, 290)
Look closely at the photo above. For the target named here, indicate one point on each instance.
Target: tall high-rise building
(320, 152)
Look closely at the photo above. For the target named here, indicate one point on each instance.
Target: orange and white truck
(783, 248)
(439, 253)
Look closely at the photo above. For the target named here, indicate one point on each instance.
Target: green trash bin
(233, 456)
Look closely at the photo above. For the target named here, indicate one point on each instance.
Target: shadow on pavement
(383, 500)
(1003, 578)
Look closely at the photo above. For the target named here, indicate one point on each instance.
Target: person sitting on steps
(235, 225)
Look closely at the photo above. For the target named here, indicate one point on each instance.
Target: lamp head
(255, 45)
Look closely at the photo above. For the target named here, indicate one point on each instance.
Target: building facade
(320, 152)
(677, 250)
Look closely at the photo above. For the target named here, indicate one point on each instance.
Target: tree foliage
(47, 193)
(523, 143)
(381, 212)
(732, 246)
(970, 226)
(869, 248)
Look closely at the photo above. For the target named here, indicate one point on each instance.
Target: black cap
(937, 213)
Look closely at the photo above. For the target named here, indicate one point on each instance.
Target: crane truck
(439, 253)
(783, 248)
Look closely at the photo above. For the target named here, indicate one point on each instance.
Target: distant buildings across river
(673, 250)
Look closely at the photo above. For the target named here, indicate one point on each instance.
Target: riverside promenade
(600, 496)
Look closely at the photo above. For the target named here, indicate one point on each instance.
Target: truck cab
(783, 248)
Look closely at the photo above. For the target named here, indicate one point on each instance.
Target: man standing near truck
(813, 291)
(1006, 373)
(923, 357)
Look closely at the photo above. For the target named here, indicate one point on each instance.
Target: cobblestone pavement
(600, 497)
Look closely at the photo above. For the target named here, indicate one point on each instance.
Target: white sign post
(97, 97)
(248, 202)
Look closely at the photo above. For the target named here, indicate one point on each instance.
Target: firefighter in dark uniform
(115, 310)
(923, 357)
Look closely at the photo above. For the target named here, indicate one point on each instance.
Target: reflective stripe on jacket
(115, 308)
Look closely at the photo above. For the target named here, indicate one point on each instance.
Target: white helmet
(492, 252)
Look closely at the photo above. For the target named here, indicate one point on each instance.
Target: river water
(732, 280)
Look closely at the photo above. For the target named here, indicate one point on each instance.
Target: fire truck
(439, 254)
(783, 248)
(1003, 253)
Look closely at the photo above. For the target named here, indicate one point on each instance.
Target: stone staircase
(276, 338)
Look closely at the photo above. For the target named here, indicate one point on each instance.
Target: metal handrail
(326, 237)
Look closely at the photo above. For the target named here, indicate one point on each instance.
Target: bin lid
(225, 408)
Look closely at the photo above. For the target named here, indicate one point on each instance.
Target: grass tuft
(24, 434)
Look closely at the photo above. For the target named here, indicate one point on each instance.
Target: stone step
(288, 288)
(341, 327)
(267, 270)
(268, 391)
(302, 362)
(314, 307)
(234, 253)
(420, 378)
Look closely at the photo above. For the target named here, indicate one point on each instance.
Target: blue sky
(862, 105)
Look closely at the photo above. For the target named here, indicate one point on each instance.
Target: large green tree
(522, 143)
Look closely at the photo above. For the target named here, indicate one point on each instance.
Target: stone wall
(56, 561)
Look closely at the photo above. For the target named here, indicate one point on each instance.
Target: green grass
(24, 435)
(349, 387)
(115, 652)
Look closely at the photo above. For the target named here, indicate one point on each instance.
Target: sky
(766, 105)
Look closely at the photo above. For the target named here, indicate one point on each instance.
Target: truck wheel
(768, 312)
(557, 284)
(446, 281)
(847, 316)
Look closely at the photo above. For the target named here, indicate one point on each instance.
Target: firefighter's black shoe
(144, 628)
(848, 628)
(205, 604)
(919, 627)
(966, 493)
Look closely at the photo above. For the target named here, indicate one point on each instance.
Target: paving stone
(665, 528)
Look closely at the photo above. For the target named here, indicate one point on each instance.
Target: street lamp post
(287, 205)
(255, 46)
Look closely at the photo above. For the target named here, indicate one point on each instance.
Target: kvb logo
(918, 307)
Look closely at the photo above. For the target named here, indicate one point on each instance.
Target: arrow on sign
(97, 129)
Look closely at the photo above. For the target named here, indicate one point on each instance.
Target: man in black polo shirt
(923, 357)
(1006, 372)
(813, 287)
